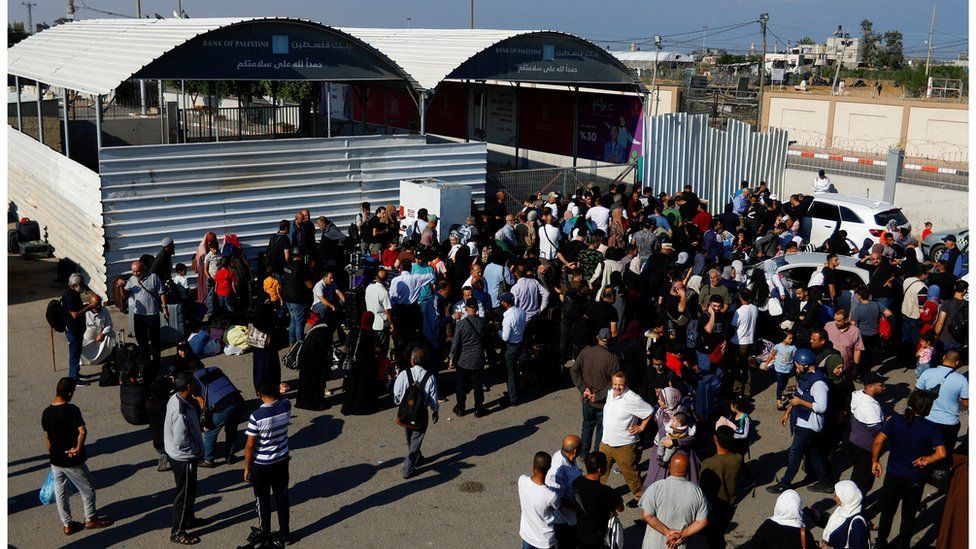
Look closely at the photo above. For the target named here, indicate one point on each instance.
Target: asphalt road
(346, 486)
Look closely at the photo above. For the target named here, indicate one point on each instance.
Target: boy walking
(266, 464)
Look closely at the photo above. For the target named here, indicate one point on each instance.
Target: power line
(96, 10)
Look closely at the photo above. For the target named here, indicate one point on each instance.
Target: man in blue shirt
(953, 389)
(512, 332)
(741, 202)
(495, 273)
(266, 463)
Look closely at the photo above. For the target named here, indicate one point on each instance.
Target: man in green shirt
(720, 479)
(714, 287)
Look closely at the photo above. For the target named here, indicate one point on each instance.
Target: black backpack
(412, 413)
(55, 315)
(574, 305)
(958, 323)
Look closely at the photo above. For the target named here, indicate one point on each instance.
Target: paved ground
(346, 485)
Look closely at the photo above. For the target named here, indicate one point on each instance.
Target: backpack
(55, 315)
(958, 323)
(573, 305)
(412, 413)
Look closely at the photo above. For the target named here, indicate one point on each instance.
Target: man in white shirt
(530, 295)
(539, 504)
(600, 216)
(821, 183)
(560, 478)
(914, 295)
(625, 416)
(377, 300)
(512, 333)
(99, 339)
(548, 238)
(867, 418)
(552, 204)
(744, 323)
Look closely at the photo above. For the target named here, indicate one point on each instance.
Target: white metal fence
(246, 187)
(686, 151)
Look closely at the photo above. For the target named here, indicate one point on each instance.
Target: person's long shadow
(104, 445)
(320, 430)
(158, 517)
(448, 464)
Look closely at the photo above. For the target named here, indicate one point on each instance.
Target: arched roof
(95, 56)
(433, 55)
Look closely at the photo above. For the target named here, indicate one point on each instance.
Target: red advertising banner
(447, 112)
(545, 120)
(374, 105)
(610, 128)
(401, 110)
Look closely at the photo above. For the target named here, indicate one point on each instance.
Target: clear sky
(613, 23)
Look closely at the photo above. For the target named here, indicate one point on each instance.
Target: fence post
(892, 173)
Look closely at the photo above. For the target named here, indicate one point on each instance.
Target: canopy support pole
(40, 115)
(67, 141)
(328, 108)
(162, 124)
(98, 123)
(575, 125)
(423, 109)
(20, 122)
(216, 110)
(517, 87)
(183, 105)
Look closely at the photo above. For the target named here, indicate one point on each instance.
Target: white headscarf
(788, 509)
(740, 276)
(850, 506)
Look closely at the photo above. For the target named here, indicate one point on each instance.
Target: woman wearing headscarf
(785, 529)
(200, 266)
(847, 528)
(670, 403)
(618, 229)
(314, 365)
(929, 312)
(359, 383)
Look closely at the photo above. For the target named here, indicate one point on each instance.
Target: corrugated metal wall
(246, 187)
(62, 196)
(686, 151)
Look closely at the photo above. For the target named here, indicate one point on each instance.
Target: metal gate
(686, 151)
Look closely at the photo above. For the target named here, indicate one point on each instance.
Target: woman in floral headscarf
(671, 402)
(200, 266)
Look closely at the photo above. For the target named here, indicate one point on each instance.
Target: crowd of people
(663, 316)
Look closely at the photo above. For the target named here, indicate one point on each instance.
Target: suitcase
(132, 403)
(28, 230)
(172, 330)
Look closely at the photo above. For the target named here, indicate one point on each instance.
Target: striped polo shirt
(270, 424)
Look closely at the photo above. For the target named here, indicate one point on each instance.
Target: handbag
(47, 494)
(884, 328)
(615, 533)
(350, 358)
(256, 338)
(774, 307)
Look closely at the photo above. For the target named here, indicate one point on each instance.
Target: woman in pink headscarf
(200, 266)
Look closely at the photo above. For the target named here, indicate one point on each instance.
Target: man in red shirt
(226, 286)
(702, 219)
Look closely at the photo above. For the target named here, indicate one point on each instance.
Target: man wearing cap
(162, 265)
(512, 332)
(806, 412)
(866, 422)
(552, 204)
(468, 357)
(591, 373)
(951, 252)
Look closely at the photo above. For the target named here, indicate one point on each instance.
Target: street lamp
(657, 55)
(839, 37)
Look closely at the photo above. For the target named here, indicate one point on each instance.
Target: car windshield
(891, 215)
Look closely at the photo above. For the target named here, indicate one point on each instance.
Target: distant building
(642, 62)
(845, 48)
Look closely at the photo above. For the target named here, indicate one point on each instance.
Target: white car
(862, 218)
(797, 268)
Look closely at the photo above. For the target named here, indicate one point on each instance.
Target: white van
(862, 218)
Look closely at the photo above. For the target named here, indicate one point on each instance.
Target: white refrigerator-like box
(450, 202)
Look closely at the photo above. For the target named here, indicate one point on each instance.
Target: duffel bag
(236, 336)
(133, 403)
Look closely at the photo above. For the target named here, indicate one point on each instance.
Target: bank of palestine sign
(544, 57)
(271, 51)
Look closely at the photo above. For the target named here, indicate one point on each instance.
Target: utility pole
(138, 9)
(71, 10)
(839, 37)
(657, 44)
(30, 16)
(763, 20)
(704, 28)
(928, 54)
(472, 13)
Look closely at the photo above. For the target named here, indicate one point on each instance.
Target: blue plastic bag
(47, 495)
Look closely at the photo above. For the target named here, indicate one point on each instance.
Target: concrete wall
(945, 208)
(926, 129)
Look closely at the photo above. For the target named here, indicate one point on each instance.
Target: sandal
(185, 539)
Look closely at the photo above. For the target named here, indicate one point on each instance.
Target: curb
(873, 162)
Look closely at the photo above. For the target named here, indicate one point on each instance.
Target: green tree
(869, 43)
(15, 33)
(806, 40)
(891, 55)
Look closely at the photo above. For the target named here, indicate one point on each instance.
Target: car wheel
(936, 251)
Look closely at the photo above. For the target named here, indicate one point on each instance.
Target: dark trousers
(511, 364)
(226, 420)
(147, 336)
(185, 473)
(740, 371)
(805, 446)
(861, 474)
(872, 349)
(950, 434)
(719, 517)
(414, 440)
(565, 535)
(74, 352)
(592, 432)
(468, 380)
(908, 493)
(781, 381)
(268, 480)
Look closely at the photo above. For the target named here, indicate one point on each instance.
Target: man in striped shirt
(266, 463)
